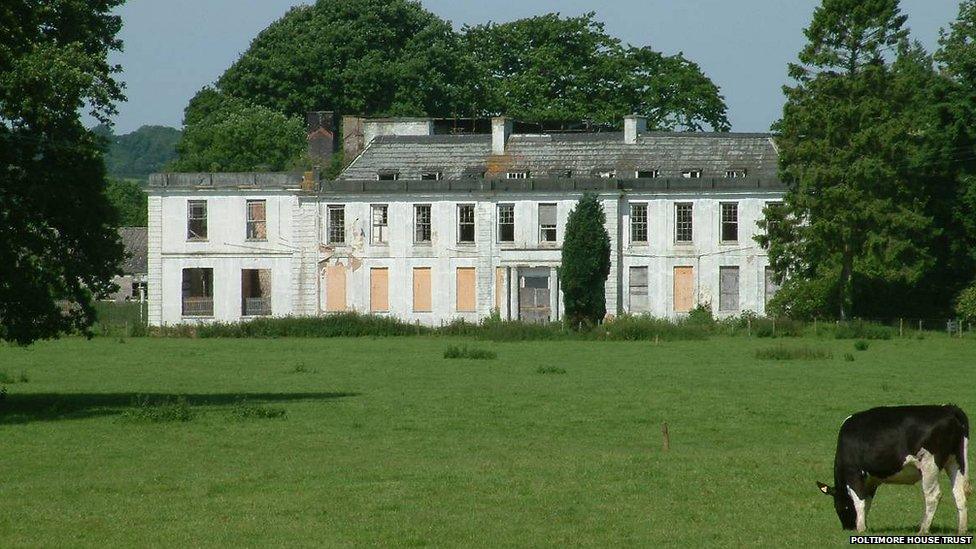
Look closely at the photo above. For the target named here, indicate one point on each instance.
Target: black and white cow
(899, 445)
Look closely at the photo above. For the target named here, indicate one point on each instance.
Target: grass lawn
(385, 442)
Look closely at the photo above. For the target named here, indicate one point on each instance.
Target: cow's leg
(930, 488)
(958, 482)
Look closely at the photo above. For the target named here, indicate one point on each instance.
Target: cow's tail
(961, 454)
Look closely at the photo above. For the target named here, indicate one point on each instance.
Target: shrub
(860, 329)
(5, 378)
(646, 328)
(777, 327)
(464, 352)
(337, 325)
(701, 315)
(861, 345)
(849, 357)
(550, 370)
(167, 410)
(782, 352)
(246, 410)
(966, 304)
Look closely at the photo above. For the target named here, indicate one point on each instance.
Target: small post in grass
(749, 327)
(666, 435)
(901, 327)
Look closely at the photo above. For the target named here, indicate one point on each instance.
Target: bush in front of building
(338, 325)
(966, 304)
(585, 263)
(647, 328)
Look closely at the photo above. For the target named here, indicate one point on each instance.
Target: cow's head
(843, 504)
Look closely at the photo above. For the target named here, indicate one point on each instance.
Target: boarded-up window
(465, 290)
(257, 226)
(638, 290)
(684, 288)
(255, 292)
(196, 220)
(335, 288)
(500, 289)
(421, 290)
(198, 292)
(728, 282)
(379, 290)
(771, 285)
(547, 222)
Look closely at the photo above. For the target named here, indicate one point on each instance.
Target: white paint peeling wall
(297, 250)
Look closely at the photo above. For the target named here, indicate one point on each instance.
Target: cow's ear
(828, 490)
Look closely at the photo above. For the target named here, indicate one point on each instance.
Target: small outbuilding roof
(136, 242)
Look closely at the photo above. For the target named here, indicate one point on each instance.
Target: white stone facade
(296, 253)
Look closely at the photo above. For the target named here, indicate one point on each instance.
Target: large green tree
(550, 68)
(142, 152)
(585, 263)
(59, 248)
(855, 218)
(224, 133)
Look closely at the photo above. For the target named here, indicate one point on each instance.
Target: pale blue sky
(174, 47)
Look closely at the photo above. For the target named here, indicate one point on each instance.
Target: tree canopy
(60, 248)
(871, 224)
(394, 58)
(137, 154)
(228, 134)
(550, 68)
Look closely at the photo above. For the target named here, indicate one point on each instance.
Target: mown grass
(379, 444)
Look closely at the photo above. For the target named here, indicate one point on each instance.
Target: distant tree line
(394, 58)
(878, 146)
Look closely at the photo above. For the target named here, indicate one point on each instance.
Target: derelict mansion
(432, 225)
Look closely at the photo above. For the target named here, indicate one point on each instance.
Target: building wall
(298, 251)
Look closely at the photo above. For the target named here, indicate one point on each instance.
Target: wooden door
(379, 290)
(684, 289)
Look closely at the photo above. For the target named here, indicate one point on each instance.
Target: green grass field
(385, 442)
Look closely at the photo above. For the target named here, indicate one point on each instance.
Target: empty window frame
(379, 225)
(648, 174)
(336, 224)
(728, 282)
(638, 290)
(736, 173)
(638, 223)
(691, 174)
(506, 222)
(198, 292)
(547, 222)
(255, 292)
(387, 175)
(466, 290)
(465, 223)
(257, 225)
(517, 175)
(431, 176)
(196, 220)
(421, 290)
(421, 224)
(730, 221)
(605, 174)
(683, 223)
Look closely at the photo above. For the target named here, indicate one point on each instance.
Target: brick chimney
(634, 125)
(501, 130)
(322, 140)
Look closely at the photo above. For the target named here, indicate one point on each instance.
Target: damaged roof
(580, 155)
(136, 243)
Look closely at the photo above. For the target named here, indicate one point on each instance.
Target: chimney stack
(634, 125)
(501, 129)
(322, 140)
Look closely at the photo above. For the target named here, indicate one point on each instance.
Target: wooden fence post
(901, 327)
(666, 435)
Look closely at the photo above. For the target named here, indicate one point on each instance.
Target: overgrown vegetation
(247, 410)
(147, 409)
(547, 370)
(469, 353)
(782, 352)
